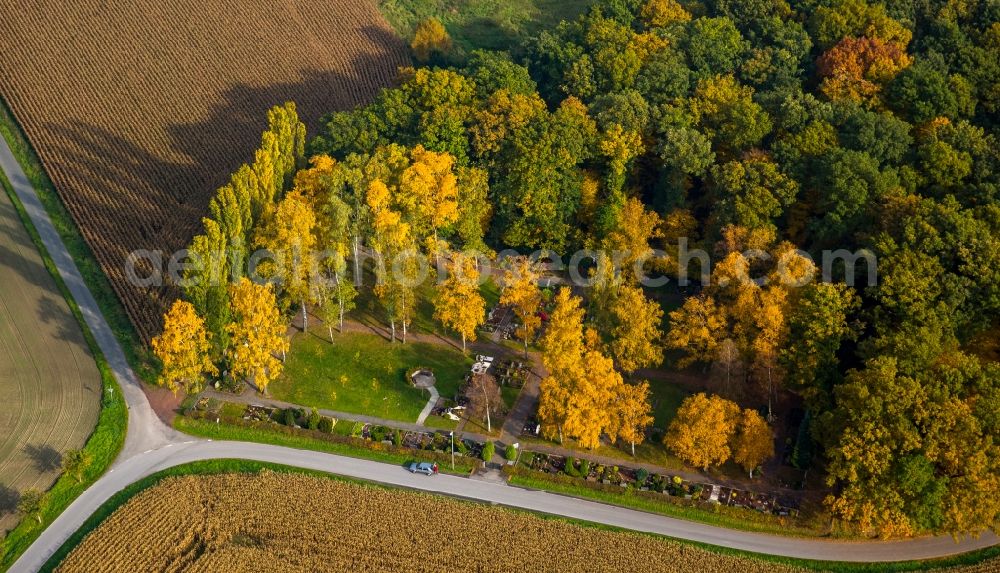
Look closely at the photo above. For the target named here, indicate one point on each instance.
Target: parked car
(423, 468)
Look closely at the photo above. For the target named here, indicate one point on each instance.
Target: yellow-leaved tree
(772, 333)
(521, 292)
(257, 333)
(184, 350)
(428, 192)
(289, 232)
(753, 443)
(701, 432)
(590, 384)
(631, 413)
(459, 304)
(697, 328)
(629, 240)
(430, 38)
(659, 13)
(562, 355)
(584, 396)
(635, 331)
(562, 345)
(392, 237)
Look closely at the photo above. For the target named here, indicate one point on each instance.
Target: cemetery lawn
(365, 374)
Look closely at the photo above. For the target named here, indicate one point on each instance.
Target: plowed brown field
(140, 109)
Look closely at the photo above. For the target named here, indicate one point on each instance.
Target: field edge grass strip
(226, 432)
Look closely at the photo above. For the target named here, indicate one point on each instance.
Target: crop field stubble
(140, 110)
(297, 522)
(293, 522)
(49, 382)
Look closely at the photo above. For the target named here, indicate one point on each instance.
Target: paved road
(175, 454)
(151, 446)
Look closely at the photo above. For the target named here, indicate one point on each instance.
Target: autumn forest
(762, 132)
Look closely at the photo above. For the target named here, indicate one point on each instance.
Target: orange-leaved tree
(753, 443)
(701, 432)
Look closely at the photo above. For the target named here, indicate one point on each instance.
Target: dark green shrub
(584, 468)
(314, 419)
(640, 477)
(397, 438)
(441, 442)
(325, 425)
(289, 417)
(570, 467)
(802, 453)
(488, 450)
(461, 447)
(377, 433)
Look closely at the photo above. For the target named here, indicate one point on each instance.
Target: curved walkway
(151, 446)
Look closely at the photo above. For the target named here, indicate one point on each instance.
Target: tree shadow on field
(45, 457)
(17, 257)
(231, 134)
(136, 198)
(8, 500)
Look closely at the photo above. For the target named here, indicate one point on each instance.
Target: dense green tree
(738, 125)
(751, 193)
(493, 71)
(627, 109)
(820, 323)
(850, 182)
(922, 92)
(832, 22)
(664, 76)
(714, 46)
(882, 136)
(727, 114)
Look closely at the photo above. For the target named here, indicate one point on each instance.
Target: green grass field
(369, 309)
(365, 374)
(666, 400)
(487, 24)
